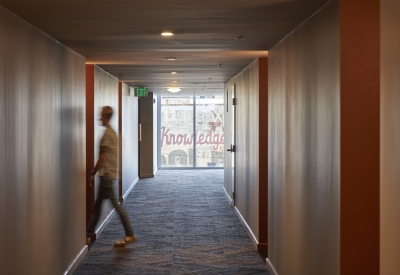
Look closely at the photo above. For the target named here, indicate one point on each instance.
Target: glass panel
(176, 131)
(210, 131)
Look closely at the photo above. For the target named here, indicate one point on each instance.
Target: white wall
(105, 94)
(247, 145)
(304, 148)
(129, 138)
(42, 151)
(148, 146)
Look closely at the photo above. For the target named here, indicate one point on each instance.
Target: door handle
(232, 149)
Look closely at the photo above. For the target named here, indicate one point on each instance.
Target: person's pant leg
(121, 211)
(96, 211)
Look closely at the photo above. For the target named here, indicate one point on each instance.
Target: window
(210, 131)
(188, 140)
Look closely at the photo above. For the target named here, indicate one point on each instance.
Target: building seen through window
(189, 140)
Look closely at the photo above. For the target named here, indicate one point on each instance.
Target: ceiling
(123, 36)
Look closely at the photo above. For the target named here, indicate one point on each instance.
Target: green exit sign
(141, 91)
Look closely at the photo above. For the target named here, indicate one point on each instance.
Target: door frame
(232, 149)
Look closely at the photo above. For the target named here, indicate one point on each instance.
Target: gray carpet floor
(184, 225)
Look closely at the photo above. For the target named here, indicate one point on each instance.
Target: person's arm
(99, 164)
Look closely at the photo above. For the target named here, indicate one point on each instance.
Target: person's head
(106, 114)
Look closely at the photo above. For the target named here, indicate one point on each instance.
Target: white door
(232, 148)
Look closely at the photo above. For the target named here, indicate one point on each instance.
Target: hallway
(308, 134)
(184, 225)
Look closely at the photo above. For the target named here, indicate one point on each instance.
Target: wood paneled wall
(359, 136)
(263, 154)
(148, 144)
(42, 149)
(105, 93)
(129, 138)
(90, 118)
(251, 147)
(304, 148)
(390, 137)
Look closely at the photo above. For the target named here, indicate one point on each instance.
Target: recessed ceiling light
(175, 81)
(167, 34)
(173, 72)
(174, 89)
(171, 58)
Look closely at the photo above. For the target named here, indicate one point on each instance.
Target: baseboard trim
(155, 171)
(259, 246)
(270, 267)
(104, 223)
(76, 261)
(247, 227)
(130, 189)
(227, 196)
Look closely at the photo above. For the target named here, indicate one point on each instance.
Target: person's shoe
(88, 241)
(126, 240)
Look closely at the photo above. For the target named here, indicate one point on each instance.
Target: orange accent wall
(359, 161)
(263, 153)
(120, 140)
(89, 137)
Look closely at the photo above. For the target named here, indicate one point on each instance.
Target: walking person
(107, 167)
